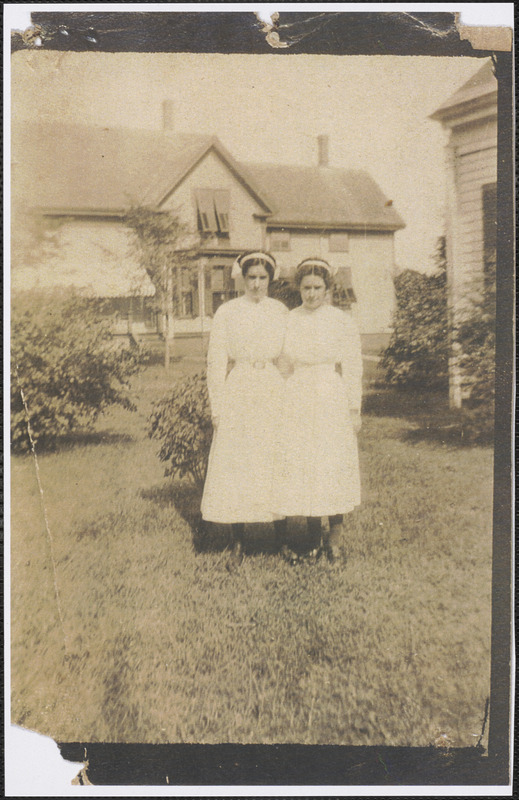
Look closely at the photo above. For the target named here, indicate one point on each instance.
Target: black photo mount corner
(333, 33)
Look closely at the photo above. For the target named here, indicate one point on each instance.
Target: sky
(271, 108)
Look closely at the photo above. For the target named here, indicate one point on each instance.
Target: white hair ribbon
(258, 255)
(319, 262)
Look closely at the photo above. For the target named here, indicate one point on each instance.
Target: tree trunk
(167, 317)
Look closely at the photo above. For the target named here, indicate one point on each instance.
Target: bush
(476, 338)
(418, 352)
(181, 421)
(65, 367)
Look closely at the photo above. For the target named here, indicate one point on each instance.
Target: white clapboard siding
(474, 169)
(470, 117)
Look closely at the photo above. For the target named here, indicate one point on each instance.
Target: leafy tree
(166, 248)
(181, 422)
(34, 238)
(418, 351)
(65, 367)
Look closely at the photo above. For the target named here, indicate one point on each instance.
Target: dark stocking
(335, 535)
(314, 531)
(280, 529)
(238, 532)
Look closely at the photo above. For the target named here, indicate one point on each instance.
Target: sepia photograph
(253, 349)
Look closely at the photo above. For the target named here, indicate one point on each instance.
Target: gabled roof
(325, 196)
(75, 169)
(480, 88)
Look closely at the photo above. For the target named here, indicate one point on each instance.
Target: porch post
(202, 266)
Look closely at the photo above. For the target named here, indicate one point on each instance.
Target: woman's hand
(356, 419)
(215, 421)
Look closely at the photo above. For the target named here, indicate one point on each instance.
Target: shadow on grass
(452, 433)
(212, 537)
(385, 402)
(80, 439)
(432, 419)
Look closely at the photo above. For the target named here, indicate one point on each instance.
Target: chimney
(167, 116)
(322, 144)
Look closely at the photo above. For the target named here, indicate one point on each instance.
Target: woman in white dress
(246, 338)
(317, 470)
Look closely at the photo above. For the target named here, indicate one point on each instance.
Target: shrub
(65, 367)
(418, 352)
(181, 422)
(476, 338)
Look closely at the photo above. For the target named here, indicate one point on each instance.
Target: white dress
(317, 466)
(247, 401)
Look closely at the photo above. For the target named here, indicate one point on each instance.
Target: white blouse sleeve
(217, 360)
(351, 361)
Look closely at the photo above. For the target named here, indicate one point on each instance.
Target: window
(140, 310)
(206, 214)
(344, 293)
(213, 211)
(218, 299)
(338, 243)
(221, 286)
(222, 297)
(217, 279)
(186, 293)
(280, 240)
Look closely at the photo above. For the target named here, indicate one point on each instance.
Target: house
(79, 181)
(470, 118)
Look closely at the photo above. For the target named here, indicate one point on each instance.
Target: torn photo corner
(149, 151)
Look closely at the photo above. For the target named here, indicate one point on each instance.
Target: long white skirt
(317, 465)
(238, 486)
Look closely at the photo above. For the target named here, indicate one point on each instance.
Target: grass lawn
(160, 642)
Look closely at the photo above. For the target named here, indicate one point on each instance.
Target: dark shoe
(312, 556)
(288, 555)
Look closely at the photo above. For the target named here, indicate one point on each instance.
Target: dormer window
(221, 204)
(213, 211)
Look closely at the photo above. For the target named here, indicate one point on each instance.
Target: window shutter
(221, 204)
(206, 213)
